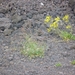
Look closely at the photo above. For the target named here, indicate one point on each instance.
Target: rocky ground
(20, 17)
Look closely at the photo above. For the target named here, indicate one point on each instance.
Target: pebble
(61, 73)
(42, 4)
(0, 64)
(1, 15)
(10, 58)
(6, 47)
(16, 18)
(29, 15)
(2, 28)
(24, 17)
(11, 63)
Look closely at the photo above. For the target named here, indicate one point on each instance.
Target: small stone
(10, 58)
(2, 28)
(6, 47)
(39, 33)
(16, 18)
(37, 24)
(4, 23)
(1, 15)
(72, 47)
(72, 5)
(60, 73)
(11, 62)
(3, 10)
(16, 26)
(29, 15)
(24, 18)
(0, 64)
(7, 32)
(42, 4)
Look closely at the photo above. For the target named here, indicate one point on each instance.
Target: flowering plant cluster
(60, 26)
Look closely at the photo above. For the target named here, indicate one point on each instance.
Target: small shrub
(58, 65)
(32, 48)
(66, 35)
(73, 62)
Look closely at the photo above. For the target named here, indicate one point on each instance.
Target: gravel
(21, 17)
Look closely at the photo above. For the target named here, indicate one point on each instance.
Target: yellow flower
(68, 27)
(54, 25)
(66, 18)
(57, 19)
(47, 19)
(48, 29)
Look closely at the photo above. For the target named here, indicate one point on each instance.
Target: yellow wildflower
(68, 27)
(57, 19)
(66, 18)
(47, 19)
(54, 25)
(48, 29)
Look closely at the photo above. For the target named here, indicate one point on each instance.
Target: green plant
(32, 48)
(73, 62)
(60, 26)
(66, 35)
(58, 65)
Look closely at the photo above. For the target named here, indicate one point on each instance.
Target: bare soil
(26, 17)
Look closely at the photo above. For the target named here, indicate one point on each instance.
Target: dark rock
(12, 12)
(0, 64)
(39, 33)
(1, 15)
(2, 28)
(32, 25)
(72, 5)
(29, 15)
(24, 17)
(16, 26)
(44, 14)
